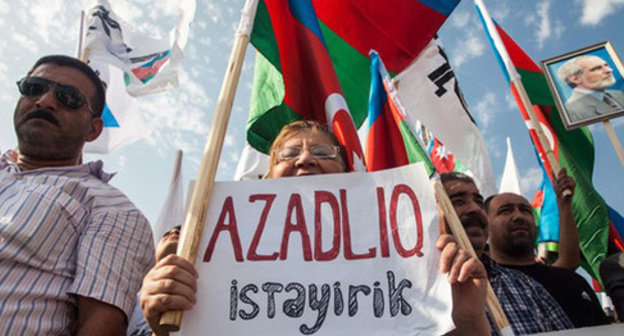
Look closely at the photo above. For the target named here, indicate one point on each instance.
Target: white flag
(150, 65)
(123, 122)
(510, 182)
(252, 165)
(172, 211)
(429, 91)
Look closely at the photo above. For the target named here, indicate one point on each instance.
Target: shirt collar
(490, 265)
(95, 168)
(597, 94)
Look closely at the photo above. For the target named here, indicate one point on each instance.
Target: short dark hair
(455, 176)
(99, 99)
(488, 201)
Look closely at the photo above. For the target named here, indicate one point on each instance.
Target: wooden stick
(535, 124)
(196, 215)
(464, 242)
(614, 141)
(81, 36)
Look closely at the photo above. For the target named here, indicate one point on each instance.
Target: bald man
(512, 235)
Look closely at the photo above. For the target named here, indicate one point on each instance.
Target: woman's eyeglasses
(321, 152)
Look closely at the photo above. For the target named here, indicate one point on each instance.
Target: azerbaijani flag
(574, 149)
(442, 159)
(313, 58)
(389, 142)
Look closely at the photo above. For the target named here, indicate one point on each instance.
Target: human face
(168, 244)
(306, 163)
(468, 204)
(49, 130)
(595, 75)
(512, 228)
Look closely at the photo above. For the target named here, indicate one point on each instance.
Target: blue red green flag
(314, 58)
(389, 142)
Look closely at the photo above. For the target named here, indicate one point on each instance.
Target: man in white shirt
(73, 249)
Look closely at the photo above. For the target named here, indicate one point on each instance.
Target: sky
(181, 118)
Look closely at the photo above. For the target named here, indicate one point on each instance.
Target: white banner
(430, 93)
(123, 122)
(341, 254)
(150, 64)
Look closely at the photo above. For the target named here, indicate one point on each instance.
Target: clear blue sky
(181, 118)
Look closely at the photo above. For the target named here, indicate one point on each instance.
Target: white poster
(340, 254)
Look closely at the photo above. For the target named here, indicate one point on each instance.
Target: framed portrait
(587, 84)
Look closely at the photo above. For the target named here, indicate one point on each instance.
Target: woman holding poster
(307, 148)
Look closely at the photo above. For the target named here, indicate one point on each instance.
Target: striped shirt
(529, 308)
(64, 231)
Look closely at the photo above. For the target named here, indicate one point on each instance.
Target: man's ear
(576, 79)
(97, 125)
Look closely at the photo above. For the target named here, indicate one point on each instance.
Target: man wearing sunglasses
(73, 249)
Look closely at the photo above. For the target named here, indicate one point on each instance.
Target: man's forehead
(591, 61)
(508, 199)
(457, 188)
(65, 75)
(59, 73)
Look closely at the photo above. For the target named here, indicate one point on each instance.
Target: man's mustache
(43, 114)
(474, 220)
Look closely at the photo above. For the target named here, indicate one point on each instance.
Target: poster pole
(195, 217)
(614, 141)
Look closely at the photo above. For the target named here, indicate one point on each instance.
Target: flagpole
(617, 146)
(196, 215)
(491, 301)
(614, 141)
(518, 88)
(81, 35)
(83, 56)
(172, 212)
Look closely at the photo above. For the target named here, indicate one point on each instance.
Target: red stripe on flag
(384, 147)
(615, 236)
(397, 29)
(347, 135)
(520, 58)
(143, 72)
(306, 66)
(545, 126)
(309, 75)
(538, 199)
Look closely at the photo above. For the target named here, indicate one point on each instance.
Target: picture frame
(587, 84)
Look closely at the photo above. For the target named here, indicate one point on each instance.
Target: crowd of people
(74, 251)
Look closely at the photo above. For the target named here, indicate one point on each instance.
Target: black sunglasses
(67, 95)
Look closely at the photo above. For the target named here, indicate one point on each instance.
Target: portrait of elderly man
(590, 76)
